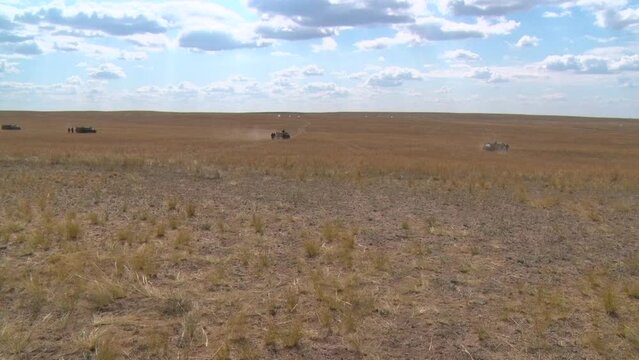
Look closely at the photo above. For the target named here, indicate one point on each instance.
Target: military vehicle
(11, 127)
(496, 146)
(85, 130)
(280, 135)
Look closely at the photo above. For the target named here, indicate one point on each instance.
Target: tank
(496, 146)
(280, 135)
(85, 130)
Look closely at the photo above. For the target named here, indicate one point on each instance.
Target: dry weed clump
(183, 239)
(217, 275)
(98, 344)
(312, 248)
(190, 210)
(257, 223)
(177, 305)
(160, 230)
(610, 302)
(144, 260)
(15, 339)
(343, 303)
(72, 230)
(632, 289)
(101, 293)
(171, 204)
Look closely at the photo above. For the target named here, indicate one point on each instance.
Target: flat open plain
(367, 235)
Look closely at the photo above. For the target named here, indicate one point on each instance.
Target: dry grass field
(367, 235)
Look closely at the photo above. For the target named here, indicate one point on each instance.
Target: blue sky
(566, 57)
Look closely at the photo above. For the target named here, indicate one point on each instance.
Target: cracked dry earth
(242, 264)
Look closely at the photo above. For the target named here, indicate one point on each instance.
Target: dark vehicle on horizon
(11, 127)
(496, 146)
(85, 130)
(280, 135)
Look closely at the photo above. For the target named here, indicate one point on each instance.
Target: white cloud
(7, 67)
(435, 29)
(214, 40)
(327, 44)
(504, 7)
(150, 41)
(461, 55)
(400, 38)
(286, 29)
(73, 86)
(117, 25)
(554, 15)
(619, 19)
(133, 55)
(327, 13)
(597, 61)
(554, 97)
(186, 90)
(601, 40)
(27, 48)
(69, 44)
(281, 53)
(440, 29)
(107, 72)
(298, 72)
(481, 74)
(325, 89)
(576, 63)
(486, 74)
(360, 75)
(485, 7)
(628, 82)
(528, 41)
(393, 76)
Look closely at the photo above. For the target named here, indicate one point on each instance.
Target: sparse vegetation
(348, 248)
(610, 302)
(312, 248)
(190, 210)
(160, 230)
(72, 230)
(257, 222)
(176, 305)
(183, 239)
(100, 293)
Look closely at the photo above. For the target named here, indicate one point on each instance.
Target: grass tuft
(144, 260)
(183, 239)
(257, 222)
(72, 230)
(312, 248)
(160, 230)
(190, 210)
(176, 305)
(610, 302)
(102, 293)
(291, 334)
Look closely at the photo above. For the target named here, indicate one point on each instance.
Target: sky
(558, 57)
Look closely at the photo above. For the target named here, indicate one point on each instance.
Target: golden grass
(312, 248)
(599, 153)
(120, 268)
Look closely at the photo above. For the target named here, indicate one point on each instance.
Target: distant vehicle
(11, 127)
(85, 130)
(496, 146)
(280, 135)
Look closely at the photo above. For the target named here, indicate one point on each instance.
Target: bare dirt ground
(381, 236)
